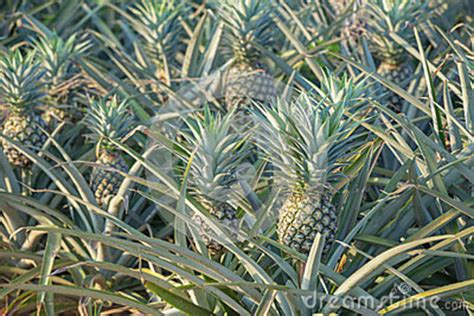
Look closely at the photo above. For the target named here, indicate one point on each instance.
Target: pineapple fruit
(353, 25)
(21, 90)
(395, 63)
(219, 150)
(304, 139)
(302, 216)
(247, 78)
(63, 79)
(109, 121)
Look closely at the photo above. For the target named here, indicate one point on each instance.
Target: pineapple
(304, 140)
(109, 121)
(247, 78)
(21, 91)
(219, 150)
(63, 79)
(158, 25)
(395, 63)
(353, 25)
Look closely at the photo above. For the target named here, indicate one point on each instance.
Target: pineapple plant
(395, 64)
(63, 79)
(248, 22)
(109, 121)
(158, 25)
(22, 92)
(218, 153)
(305, 141)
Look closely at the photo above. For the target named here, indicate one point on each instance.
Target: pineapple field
(237, 157)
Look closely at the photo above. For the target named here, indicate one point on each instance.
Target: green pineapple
(218, 152)
(304, 140)
(21, 90)
(157, 22)
(63, 79)
(247, 78)
(109, 121)
(395, 63)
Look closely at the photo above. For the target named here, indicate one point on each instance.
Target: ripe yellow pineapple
(108, 120)
(304, 139)
(21, 90)
(247, 78)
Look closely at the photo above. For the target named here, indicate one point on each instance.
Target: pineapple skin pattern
(226, 215)
(301, 217)
(105, 181)
(244, 82)
(400, 75)
(26, 130)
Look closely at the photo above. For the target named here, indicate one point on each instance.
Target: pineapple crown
(249, 22)
(56, 55)
(342, 89)
(20, 80)
(216, 151)
(386, 16)
(109, 121)
(157, 22)
(305, 141)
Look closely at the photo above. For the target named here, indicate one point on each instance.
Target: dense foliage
(239, 157)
